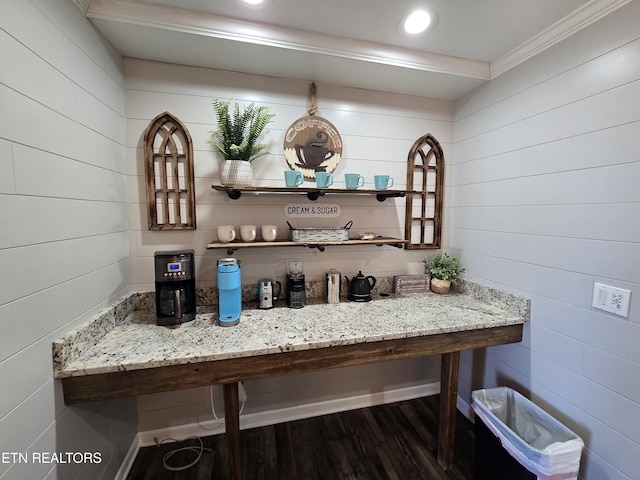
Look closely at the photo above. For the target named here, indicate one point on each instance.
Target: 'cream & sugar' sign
(304, 210)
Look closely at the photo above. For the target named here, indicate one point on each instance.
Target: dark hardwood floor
(393, 441)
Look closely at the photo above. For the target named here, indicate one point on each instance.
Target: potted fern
(238, 138)
(444, 271)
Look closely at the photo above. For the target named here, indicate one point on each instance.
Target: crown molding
(586, 15)
(214, 26)
(206, 25)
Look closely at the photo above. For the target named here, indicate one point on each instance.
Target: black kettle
(360, 287)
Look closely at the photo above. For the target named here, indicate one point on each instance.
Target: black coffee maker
(175, 287)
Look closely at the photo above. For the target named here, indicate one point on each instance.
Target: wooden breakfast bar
(135, 357)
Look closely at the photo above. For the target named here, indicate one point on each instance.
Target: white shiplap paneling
(544, 201)
(64, 232)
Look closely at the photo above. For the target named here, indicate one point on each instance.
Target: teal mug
(293, 178)
(382, 182)
(324, 179)
(353, 180)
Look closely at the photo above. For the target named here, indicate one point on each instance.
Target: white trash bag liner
(534, 438)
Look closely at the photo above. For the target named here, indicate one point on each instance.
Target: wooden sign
(312, 144)
(411, 283)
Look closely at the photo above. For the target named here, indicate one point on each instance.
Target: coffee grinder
(295, 284)
(175, 287)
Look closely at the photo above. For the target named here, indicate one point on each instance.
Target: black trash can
(517, 440)
(492, 461)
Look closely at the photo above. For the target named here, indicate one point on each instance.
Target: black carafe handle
(177, 303)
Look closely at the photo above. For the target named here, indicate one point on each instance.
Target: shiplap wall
(64, 230)
(545, 202)
(377, 130)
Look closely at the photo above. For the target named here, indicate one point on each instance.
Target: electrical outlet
(611, 299)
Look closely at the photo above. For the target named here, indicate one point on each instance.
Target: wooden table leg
(448, 398)
(232, 429)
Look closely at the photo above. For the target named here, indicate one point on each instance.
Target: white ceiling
(348, 42)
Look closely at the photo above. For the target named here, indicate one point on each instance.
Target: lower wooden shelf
(379, 241)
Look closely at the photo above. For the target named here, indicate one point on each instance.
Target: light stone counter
(133, 340)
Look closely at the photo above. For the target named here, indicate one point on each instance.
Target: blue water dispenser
(229, 291)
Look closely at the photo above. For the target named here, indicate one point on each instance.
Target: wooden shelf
(311, 193)
(378, 241)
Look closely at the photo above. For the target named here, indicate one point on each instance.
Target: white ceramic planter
(236, 173)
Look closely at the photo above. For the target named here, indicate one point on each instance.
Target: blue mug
(324, 179)
(293, 178)
(382, 182)
(353, 180)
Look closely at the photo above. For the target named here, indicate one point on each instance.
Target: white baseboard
(338, 405)
(129, 458)
(271, 417)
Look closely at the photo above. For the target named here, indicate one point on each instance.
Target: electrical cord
(213, 408)
(198, 450)
(194, 448)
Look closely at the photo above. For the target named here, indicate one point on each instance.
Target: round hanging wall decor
(312, 144)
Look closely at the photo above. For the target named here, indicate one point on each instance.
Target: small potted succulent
(238, 138)
(444, 271)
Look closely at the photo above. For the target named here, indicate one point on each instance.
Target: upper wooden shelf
(320, 245)
(312, 193)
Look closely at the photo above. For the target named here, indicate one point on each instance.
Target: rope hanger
(314, 101)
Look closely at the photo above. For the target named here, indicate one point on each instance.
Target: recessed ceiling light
(417, 23)
(254, 3)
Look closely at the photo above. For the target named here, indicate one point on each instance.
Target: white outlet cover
(611, 299)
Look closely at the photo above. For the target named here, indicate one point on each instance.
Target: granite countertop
(136, 342)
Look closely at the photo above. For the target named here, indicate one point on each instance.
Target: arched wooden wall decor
(425, 177)
(168, 160)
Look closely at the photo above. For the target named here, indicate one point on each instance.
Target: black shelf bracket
(233, 193)
(381, 197)
(313, 195)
